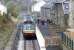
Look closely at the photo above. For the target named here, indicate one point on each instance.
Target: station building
(67, 38)
(68, 35)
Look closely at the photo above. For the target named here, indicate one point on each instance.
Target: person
(38, 21)
(48, 21)
(42, 22)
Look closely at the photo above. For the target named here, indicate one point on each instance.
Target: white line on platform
(40, 39)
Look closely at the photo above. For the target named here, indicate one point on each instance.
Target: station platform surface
(46, 36)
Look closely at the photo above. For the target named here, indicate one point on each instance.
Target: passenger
(42, 22)
(45, 22)
(38, 21)
(51, 22)
(48, 21)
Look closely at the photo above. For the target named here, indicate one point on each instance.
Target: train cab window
(28, 22)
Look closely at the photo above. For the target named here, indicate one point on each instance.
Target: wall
(67, 39)
(58, 18)
(45, 12)
(71, 18)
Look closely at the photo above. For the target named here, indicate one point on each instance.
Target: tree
(13, 9)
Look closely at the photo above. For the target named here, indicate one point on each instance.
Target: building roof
(47, 5)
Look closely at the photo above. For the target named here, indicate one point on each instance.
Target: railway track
(31, 45)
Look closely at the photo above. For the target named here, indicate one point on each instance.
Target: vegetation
(5, 30)
(6, 1)
(6, 26)
(13, 10)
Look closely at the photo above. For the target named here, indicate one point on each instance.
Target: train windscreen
(29, 25)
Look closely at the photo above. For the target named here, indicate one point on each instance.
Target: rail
(15, 43)
(31, 45)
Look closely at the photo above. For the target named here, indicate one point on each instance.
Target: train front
(28, 29)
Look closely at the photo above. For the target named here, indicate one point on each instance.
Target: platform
(40, 39)
(45, 37)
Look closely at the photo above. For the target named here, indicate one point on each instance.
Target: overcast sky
(39, 0)
(37, 7)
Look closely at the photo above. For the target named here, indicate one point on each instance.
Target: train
(28, 27)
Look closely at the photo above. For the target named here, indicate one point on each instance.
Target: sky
(37, 6)
(3, 9)
(39, 0)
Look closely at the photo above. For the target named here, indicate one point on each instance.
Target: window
(62, 35)
(28, 22)
(64, 38)
(67, 41)
(72, 44)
